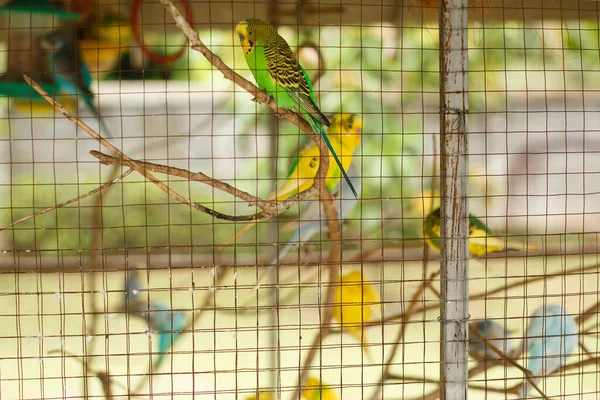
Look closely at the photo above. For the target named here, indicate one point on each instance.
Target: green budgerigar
(278, 72)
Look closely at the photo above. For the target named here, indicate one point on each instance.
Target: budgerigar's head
(350, 126)
(56, 40)
(250, 31)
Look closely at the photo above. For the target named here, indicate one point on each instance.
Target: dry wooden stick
(103, 377)
(66, 203)
(116, 152)
(326, 197)
(269, 208)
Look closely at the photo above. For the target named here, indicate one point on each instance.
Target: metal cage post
(454, 212)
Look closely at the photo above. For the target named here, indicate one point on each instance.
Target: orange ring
(135, 27)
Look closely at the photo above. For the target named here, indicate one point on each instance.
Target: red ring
(135, 27)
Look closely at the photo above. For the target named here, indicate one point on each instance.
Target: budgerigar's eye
(242, 37)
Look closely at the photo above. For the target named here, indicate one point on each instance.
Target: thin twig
(66, 203)
(591, 311)
(408, 378)
(270, 209)
(116, 152)
(103, 377)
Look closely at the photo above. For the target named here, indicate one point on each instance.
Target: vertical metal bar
(273, 237)
(454, 212)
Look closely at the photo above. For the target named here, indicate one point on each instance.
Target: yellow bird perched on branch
(354, 304)
(344, 134)
(481, 238)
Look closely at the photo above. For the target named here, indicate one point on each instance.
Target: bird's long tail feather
(89, 102)
(317, 128)
(491, 241)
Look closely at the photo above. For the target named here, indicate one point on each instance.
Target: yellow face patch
(246, 37)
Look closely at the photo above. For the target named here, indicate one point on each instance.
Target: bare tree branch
(66, 203)
(119, 155)
(270, 208)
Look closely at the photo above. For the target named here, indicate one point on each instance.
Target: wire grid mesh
(125, 291)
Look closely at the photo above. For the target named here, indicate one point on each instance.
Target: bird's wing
(478, 224)
(305, 168)
(284, 69)
(481, 238)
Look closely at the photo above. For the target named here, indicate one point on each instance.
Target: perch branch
(269, 208)
(66, 203)
(119, 155)
(326, 197)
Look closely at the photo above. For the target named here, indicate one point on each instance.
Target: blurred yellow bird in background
(481, 238)
(354, 305)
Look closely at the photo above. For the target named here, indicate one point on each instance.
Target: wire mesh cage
(299, 200)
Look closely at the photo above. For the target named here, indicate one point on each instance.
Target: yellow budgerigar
(481, 238)
(354, 304)
(314, 390)
(344, 134)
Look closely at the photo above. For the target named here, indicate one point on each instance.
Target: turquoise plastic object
(39, 7)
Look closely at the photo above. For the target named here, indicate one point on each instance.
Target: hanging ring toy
(137, 35)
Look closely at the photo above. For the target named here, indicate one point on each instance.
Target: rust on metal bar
(454, 308)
